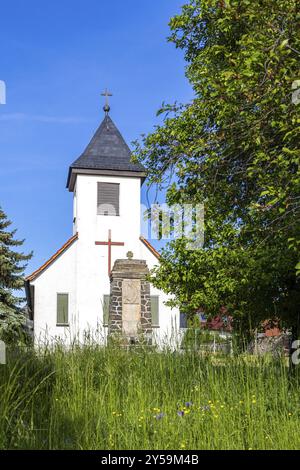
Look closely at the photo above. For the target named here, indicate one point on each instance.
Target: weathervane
(106, 107)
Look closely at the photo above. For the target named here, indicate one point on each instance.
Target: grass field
(96, 398)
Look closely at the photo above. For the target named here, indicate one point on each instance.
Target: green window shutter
(106, 299)
(155, 310)
(62, 314)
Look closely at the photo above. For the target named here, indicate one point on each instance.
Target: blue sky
(56, 58)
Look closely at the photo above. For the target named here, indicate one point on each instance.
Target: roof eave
(73, 172)
(150, 247)
(51, 260)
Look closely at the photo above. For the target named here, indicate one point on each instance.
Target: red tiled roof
(32, 276)
(150, 247)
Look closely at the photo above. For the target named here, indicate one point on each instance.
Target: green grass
(96, 398)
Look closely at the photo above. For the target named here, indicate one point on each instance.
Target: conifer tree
(12, 265)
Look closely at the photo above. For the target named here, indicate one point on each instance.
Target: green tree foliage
(235, 148)
(11, 280)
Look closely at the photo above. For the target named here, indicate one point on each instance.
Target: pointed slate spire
(106, 154)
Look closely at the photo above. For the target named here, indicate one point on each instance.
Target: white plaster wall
(92, 260)
(82, 270)
(59, 277)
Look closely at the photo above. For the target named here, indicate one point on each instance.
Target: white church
(68, 297)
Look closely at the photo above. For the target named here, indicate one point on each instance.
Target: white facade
(81, 269)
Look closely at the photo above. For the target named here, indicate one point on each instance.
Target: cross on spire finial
(106, 107)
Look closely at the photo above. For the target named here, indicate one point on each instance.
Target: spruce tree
(12, 266)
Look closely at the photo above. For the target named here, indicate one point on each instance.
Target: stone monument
(130, 304)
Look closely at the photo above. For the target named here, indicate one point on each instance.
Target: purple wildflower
(180, 413)
(188, 404)
(159, 416)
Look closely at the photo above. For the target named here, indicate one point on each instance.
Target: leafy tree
(235, 148)
(11, 280)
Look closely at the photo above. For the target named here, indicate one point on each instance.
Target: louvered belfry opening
(108, 199)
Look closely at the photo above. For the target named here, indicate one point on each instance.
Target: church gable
(51, 260)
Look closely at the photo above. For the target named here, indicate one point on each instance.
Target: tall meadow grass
(112, 398)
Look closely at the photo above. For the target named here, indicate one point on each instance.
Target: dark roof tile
(107, 151)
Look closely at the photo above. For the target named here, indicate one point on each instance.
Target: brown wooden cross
(109, 243)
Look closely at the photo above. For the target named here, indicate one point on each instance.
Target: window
(183, 320)
(62, 310)
(155, 310)
(108, 199)
(106, 299)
